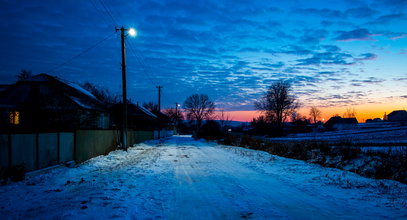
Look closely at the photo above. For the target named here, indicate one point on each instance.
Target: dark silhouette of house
(339, 123)
(164, 121)
(374, 120)
(397, 116)
(138, 117)
(47, 103)
(4, 87)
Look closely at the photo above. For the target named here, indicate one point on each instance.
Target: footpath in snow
(182, 178)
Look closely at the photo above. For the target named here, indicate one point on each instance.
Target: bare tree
(24, 74)
(175, 115)
(278, 103)
(315, 113)
(295, 116)
(151, 106)
(350, 113)
(101, 93)
(199, 107)
(224, 119)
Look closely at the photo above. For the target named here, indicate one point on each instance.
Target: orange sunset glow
(363, 112)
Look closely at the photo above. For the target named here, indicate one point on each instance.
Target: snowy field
(368, 135)
(181, 178)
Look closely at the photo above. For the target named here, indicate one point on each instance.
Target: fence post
(74, 145)
(37, 151)
(10, 154)
(58, 147)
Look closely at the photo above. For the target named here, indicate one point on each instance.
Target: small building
(164, 122)
(339, 123)
(397, 116)
(46, 103)
(374, 120)
(138, 117)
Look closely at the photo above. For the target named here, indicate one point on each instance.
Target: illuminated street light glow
(132, 32)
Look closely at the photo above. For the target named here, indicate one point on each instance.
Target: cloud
(319, 12)
(294, 49)
(357, 34)
(313, 36)
(399, 36)
(370, 80)
(367, 56)
(275, 65)
(327, 58)
(397, 5)
(389, 21)
(356, 84)
(331, 48)
(362, 12)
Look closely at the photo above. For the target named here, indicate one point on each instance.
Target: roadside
(183, 178)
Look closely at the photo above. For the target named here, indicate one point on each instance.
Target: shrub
(15, 173)
(211, 130)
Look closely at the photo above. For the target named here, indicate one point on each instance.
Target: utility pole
(159, 98)
(176, 117)
(124, 91)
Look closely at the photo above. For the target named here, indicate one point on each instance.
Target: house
(397, 116)
(339, 123)
(138, 117)
(4, 87)
(374, 120)
(46, 103)
(164, 122)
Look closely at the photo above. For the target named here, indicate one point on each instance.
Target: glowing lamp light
(132, 32)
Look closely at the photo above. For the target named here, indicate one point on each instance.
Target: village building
(46, 103)
(138, 117)
(339, 123)
(397, 116)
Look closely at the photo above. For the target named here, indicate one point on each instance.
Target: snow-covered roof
(79, 88)
(146, 111)
(80, 102)
(47, 78)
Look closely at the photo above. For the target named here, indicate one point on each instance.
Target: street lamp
(131, 32)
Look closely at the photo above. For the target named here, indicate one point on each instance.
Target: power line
(81, 53)
(138, 56)
(108, 11)
(100, 12)
(140, 60)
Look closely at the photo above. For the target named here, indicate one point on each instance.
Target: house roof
(45, 90)
(134, 110)
(340, 120)
(398, 115)
(398, 112)
(4, 87)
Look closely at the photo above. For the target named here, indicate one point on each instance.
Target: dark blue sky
(336, 53)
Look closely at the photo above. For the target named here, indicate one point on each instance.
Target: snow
(182, 178)
(146, 111)
(80, 103)
(371, 135)
(79, 88)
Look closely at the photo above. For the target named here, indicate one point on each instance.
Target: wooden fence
(40, 150)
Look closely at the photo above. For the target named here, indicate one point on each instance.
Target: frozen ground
(186, 179)
(368, 135)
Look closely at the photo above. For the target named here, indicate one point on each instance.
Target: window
(14, 117)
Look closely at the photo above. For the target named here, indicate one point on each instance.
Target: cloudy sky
(337, 54)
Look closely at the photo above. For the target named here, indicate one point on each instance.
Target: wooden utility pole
(176, 117)
(123, 134)
(159, 98)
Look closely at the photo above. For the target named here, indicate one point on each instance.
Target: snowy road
(186, 179)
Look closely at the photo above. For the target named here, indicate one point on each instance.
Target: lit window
(15, 117)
